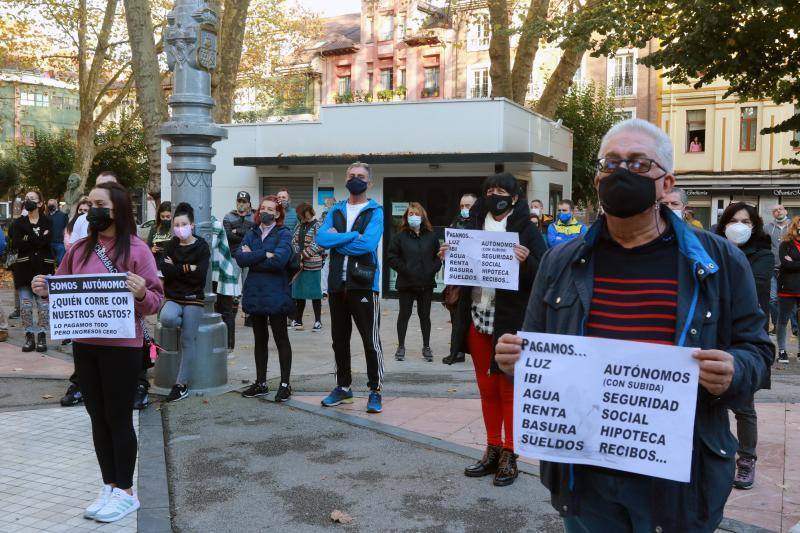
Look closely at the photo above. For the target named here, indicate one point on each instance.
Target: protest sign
(617, 404)
(91, 306)
(481, 258)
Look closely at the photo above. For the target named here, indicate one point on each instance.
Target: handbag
(11, 258)
(361, 273)
(150, 344)
(450, 296)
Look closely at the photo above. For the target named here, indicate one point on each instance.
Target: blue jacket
(2, 242)
(559, 233)
(353, 244)
(60, 222)
(717, 309)
(266, 289)
(290, 220)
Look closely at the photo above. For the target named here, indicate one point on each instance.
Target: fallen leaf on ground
(47, 396)
(341, 517)
(451, 390)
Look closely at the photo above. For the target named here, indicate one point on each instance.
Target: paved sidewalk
(773, 503)
(49, 472)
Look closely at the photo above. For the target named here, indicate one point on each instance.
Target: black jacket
(236, 227)
(32, 244)
(789, 273)
(185, 277)
(509, 305)
(414, 258)
(717, 309)
(759, 255)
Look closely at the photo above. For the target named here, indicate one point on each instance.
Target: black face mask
(165, 224)
(498, 204)
(624, 194)
(267, 218)
(99, 218)
(29, 205)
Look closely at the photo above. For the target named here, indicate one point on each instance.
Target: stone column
(191, 46)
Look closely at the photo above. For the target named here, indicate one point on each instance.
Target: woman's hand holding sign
(39, 286)
(716, 370)
(443, 251)
(521, 253)
(137, 285)
(507, 352)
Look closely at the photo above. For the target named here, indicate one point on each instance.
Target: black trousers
(407, 299)
(107, 378)
(224, 306)
(141, 378)
(301, 307)
(280, 333)
(363, 308)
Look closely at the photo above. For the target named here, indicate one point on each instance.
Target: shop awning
(393, 159)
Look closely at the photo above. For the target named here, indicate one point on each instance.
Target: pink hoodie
(140, 262)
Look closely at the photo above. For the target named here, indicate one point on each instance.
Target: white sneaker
(120, 505)
(99, 503)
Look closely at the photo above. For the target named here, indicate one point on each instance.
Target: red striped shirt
(635, 294)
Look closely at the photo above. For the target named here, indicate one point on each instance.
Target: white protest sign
(617, 404)
(481, 258)
(86, 306)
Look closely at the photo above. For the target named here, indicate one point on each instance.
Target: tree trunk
(528, 47)
(149, 93)
(500, 49)
(231, 37)
(84, 152)
(559, 82)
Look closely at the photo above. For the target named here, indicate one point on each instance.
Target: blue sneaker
(338, 396)
(374, 403)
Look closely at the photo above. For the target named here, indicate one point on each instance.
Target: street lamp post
(191, 46)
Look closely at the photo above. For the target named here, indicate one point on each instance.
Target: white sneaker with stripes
(99, 503)
(120, 505)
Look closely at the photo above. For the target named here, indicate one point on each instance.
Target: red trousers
(497, 391)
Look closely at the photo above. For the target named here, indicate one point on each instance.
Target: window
(387, 79)
(402, 24)
(696, 130)
(386, 30)
(57, 102)
(27, 134)
(625, 113)
(796, 135)
(26, 98)
(343, 83)
(622, 74)
(42, 100)
(369, 29)
(478, 34)
(479, 83)
(401, 77)
(535, 85)
(371, 81)
(431, 88)
(747, 130)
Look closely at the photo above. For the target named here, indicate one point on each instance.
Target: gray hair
(663, 145)
(359, 164)
(684, 197)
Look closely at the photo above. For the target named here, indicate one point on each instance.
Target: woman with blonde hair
(413, 254)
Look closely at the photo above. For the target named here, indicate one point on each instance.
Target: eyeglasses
(639, 165)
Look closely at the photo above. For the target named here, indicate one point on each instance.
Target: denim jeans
(787, 307)
(773, 303)
(58, 251)
(27, 301)
(747, 430)
(187, 318)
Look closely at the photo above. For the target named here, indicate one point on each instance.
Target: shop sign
(695, 192)
(786, 192)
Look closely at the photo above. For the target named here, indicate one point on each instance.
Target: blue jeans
(186, 317)
(27, 301)
(773, 303)
(58, 251)
(787, 308)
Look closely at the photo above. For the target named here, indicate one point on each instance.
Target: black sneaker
(178, 392)
(783, 357)
(256, 390)
(41, 343)
(30, 343)
(140, 398)
(284, 391)
(72, 397)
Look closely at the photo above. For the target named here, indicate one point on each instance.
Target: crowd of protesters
(270, 258)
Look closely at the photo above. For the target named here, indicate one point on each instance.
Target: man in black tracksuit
(352, 232)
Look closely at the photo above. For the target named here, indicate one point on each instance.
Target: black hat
(243, 195)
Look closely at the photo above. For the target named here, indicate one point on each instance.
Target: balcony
(622, 87)
(423, 37)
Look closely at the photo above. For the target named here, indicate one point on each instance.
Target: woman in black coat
(483, 315)
(741, 224)
(31, 237)
(413, 254)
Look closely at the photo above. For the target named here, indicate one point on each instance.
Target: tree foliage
(754, 45)
(9, 175)
(589, 111)
(48, 162)
(128, 159)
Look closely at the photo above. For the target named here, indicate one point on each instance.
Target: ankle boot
(487, 465)
(507, 469)
(30, 343)
(41, 343)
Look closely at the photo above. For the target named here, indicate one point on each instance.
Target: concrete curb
(729, 524)
(152, 488)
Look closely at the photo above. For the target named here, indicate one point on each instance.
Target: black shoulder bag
(361, 269)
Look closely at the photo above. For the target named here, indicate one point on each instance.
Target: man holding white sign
(639, 274)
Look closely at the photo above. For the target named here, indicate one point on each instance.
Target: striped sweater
(310, 252)
(635, 295)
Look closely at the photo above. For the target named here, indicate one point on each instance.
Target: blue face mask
(356, 186)
(414, 221)
(465, 213)
(565, 217)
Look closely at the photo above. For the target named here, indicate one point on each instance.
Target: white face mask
(678, 213)
(738, 232)
(536, 211)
